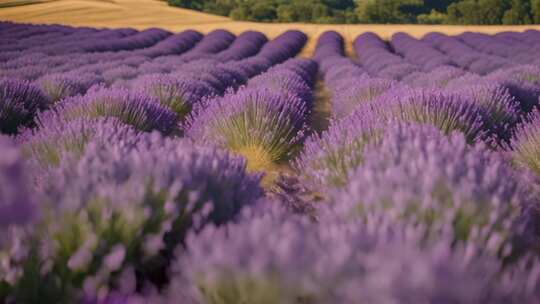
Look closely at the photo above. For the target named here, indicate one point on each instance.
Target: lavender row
(436, 67)
(376, 57)
(348, 82)
(419, 53)
(516, 51)
(155, 102)
(181, 43)
(59, 85)
(465, 56)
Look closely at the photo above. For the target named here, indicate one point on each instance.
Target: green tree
(191, 4)
(285, 13)
(434, 17)
(241, 12)
(262, 11)
(320, 11)
(519, 13)
(373, 11)
(338, 4)
(535, 10)
(219, 7)
(477, 12)
(388, 11)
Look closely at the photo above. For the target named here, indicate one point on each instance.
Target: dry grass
(141, 14)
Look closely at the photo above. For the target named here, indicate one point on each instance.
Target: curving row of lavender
(130, 168)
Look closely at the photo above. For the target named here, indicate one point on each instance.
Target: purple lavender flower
(140, 111)
(122, 208)
(262, 125)
(418, 174)
(20, 101)
(278, 258)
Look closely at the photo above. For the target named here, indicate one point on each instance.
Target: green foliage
(477, 11)
(535, 10)
(434, 17)
(373, 11)
(519, 13)
(388, 11)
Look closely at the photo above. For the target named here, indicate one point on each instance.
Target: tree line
(373, 11)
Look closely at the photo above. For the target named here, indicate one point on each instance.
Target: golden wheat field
(142, 14)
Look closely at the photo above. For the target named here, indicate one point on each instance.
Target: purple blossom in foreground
(262, 125)
(120, 210)
(467, 192)
(18, 212)
(275, 257)
(142, 112)
(16, 201)
(20, 101)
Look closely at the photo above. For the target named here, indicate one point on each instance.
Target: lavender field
(158, 167)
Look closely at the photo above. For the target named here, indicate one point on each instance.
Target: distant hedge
(373, 11)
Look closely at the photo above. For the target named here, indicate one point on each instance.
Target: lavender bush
(260, 124)
(279, 258)
(124, 209)
(20, 101)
